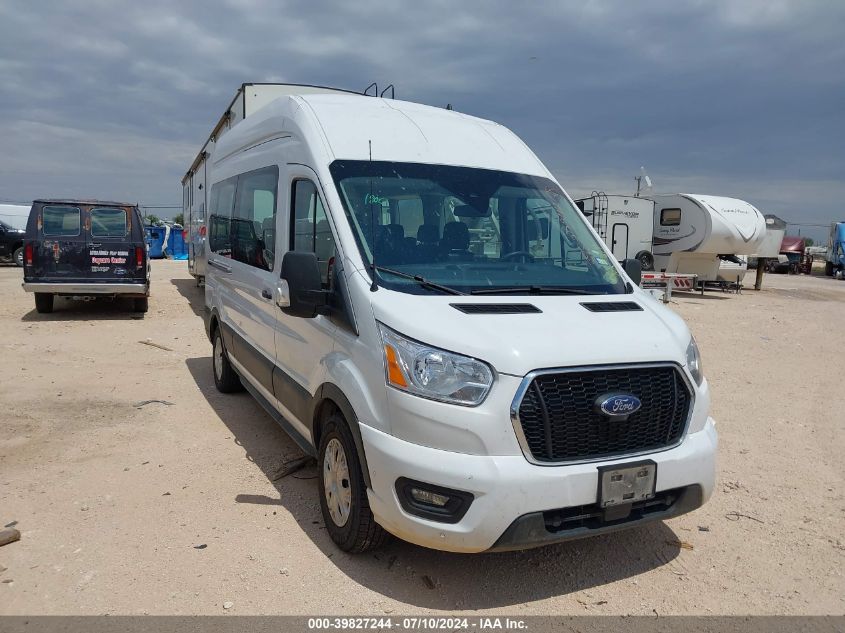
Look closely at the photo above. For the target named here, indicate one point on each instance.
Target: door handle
(266, 294)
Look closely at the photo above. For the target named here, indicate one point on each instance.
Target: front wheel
(225, 378)
(343, 493)
(43, 302)
(18, 257)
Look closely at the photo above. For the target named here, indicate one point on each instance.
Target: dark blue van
(84, 249)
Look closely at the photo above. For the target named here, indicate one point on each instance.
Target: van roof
(86, 201)
(403, 131)
(347, 127)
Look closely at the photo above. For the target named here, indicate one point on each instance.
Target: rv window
(311, 231)
(253, 232)
(220, 215)
(108, 222)
(60, 221)
(670, 217)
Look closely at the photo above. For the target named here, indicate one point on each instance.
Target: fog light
(432, 502)
(431, 498)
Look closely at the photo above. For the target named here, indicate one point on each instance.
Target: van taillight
(139, 256)
(27, 254)
(185, 234)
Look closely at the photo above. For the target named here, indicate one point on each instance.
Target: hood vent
(495, 308)
(613, 306)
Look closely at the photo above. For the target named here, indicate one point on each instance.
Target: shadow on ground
(194, 294)
(96, 310)
(427, 578)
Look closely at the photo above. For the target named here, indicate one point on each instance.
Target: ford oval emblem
(618, 405)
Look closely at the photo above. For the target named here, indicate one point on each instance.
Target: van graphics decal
(102, 260)
(628, 214)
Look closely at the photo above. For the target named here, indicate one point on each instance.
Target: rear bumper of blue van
(73, 288)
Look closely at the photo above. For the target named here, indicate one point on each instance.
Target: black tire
(359, 532)
(43, 302)
(141, 304)
(828, 269)
(225, 378)
(18, 257)
(646, 260)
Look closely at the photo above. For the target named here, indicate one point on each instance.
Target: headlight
(694, 361)
(434, 373)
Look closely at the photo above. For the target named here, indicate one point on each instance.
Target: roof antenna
(370, 200)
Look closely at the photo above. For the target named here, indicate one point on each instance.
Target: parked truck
(792, 259)
(835, 258)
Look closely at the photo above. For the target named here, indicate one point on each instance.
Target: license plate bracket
(626, 483)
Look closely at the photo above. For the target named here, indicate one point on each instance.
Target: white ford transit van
(415, 299)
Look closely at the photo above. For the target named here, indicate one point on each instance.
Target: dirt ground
(172, 509)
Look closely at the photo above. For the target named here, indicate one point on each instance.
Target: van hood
(563, 334)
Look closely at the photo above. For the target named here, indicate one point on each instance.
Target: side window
(220, 216)
(253, 229)
(670, 217)
(311, 231)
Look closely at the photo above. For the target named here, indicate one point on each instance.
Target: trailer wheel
(646, 260)
(828, 269)
(43, 302)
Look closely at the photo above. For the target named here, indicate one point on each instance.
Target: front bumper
(510, 493)
(85, 289)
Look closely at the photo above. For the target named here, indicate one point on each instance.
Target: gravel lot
(172, 509)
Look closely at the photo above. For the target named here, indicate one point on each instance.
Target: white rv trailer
(692, 231)
(625, 223)
(679, 233)
(249, 98)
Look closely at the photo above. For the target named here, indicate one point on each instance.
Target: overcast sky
(744, 98)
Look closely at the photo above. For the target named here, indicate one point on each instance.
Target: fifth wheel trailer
(677, 233)
(249, 98)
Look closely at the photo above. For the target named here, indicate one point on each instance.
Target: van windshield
(473, 230)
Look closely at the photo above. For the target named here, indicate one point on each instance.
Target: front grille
(560, 420)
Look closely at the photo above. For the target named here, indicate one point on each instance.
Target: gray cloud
(113, 99)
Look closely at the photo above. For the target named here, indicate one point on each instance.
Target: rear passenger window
(220, 216)
(108, 222)
(60, 221)
(253, 229)
(311, 231)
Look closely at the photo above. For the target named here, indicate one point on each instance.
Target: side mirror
(305, 287)
(633, 269)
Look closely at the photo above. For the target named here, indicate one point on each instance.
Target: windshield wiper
(536, 290)
(425, 283)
